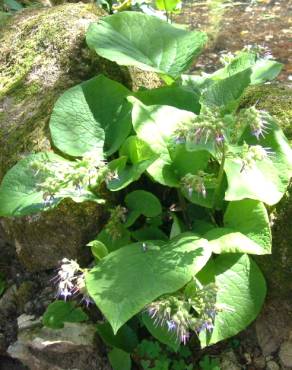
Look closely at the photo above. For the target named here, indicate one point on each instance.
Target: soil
(231, 25)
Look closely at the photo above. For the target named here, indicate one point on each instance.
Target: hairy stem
(219, 180)
(183, 206)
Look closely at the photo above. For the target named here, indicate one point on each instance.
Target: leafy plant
(175, 251)
(208, 363)
(2, 284)
(60, 312)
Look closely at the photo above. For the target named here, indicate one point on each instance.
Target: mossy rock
(277, 100)
(43, 53)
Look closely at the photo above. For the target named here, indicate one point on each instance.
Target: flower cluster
(198, 183)
(257, 120)
(114, 225)
(77, 176)
(252, 153)
(71, 281)
(206, 127)
(184, 313)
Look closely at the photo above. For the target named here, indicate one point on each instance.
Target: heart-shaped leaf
(21, 193)
(91, 115)
(241, 291)
(125, 281)
(250, 217)
(122, 38)
(265, 180)
(141, 202)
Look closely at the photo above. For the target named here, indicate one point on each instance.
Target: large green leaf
(250, 217)
(241, 293)
(20, 192)
(175, 96)
(136, 150)
(156, 125)
(224, 240)
(163, 48)
(267, 179)
(226, 92)
(125, 281)
(91, 115)
(246, 229)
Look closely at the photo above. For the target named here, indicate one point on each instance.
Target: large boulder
(277, 100)
(43, 53)
(274, 325)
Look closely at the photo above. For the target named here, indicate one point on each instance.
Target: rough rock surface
(43, 52)
(72, 347)
(277, 100)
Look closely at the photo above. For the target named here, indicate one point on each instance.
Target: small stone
(28, 322)
(272, 365)
(229, 361)
(265, 338)
(285, 353)
(259, 362)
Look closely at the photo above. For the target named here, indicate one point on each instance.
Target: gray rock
(228, 361)
(266, 340)
(43, 53)
(272, 365)
(259, 362)
(72, 347)
(285, 354)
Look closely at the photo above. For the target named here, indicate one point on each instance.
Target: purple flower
(171, 325)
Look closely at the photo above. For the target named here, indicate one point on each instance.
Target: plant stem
(166, 12)
(183, 206)
(219, 180)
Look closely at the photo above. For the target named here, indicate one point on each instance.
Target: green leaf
(148, 233)
(250, 217)
(2, 284)
(126, 173)
(121, 38)
(263, 70)
(125, 339)
(224, 240)
(168, 5)
(141, 202)
(114, 244)
(20, 192)
(136, 150)
(91, 115)
(241, 293)
(60, 312)
(149, 124)
(266, 180)
(177, 226)
(226, 93)
(13, 5)
(119, 359)
(161, 333)
(178, 97)
(162, 268)
(98, 249)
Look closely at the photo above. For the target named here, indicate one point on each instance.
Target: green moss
(275, 99)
